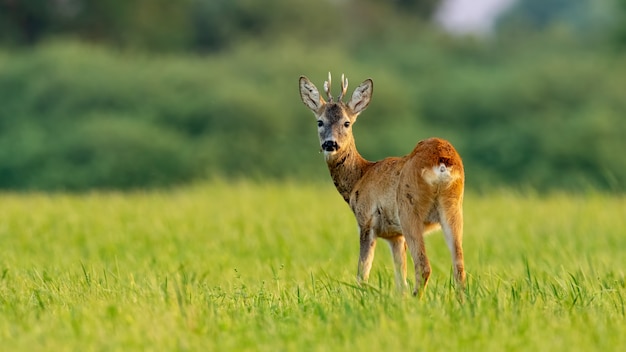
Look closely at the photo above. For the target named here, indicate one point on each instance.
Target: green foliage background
(144, 95)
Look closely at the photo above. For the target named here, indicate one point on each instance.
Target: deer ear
(361, 96)
(310, 95)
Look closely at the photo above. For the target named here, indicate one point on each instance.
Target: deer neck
(346, 168)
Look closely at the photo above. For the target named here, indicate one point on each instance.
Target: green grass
(243, 266)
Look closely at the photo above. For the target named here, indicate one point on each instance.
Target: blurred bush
(76, 116)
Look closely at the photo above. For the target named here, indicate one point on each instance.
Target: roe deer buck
(398, 199)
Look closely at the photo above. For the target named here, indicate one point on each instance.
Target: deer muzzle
(330, 146)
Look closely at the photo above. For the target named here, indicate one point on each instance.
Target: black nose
(330, 146)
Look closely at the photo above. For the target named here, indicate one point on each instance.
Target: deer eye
(346, 124)
(320, 123)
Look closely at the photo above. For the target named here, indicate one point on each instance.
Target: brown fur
(398, 199)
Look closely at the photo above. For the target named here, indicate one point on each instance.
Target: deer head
(335, 118)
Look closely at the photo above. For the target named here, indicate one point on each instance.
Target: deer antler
(344, 87)
(327, 89)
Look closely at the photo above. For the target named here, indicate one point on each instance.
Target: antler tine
(327, 86)
(344, 86)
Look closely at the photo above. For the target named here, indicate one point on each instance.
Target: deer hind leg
(398, 251)
(366, 255)
(451, 219)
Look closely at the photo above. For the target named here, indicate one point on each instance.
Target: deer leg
(366, 255)
(413, 230)
(398, 251)
(451, 219)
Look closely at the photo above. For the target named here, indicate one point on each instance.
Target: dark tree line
(199, 25)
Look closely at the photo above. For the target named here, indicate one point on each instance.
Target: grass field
(269, 267)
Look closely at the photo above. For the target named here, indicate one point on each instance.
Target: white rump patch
(438, 174)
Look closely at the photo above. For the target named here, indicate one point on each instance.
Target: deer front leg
(398, 251)
(366, 255)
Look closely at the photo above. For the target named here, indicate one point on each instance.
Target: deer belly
(387, 225)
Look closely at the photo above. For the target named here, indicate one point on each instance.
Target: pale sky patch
(471, 16)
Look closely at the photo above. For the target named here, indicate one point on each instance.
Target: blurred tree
(28, 22)
(420, 8)
(540, 13)
(111, 21)
(160, 25)
(217, 24)
(24, 21)
(620, 28)
(100, 21)
(204, 25)
(583, 17)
